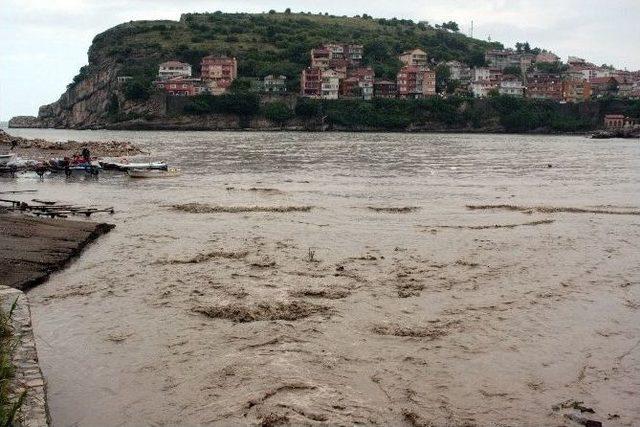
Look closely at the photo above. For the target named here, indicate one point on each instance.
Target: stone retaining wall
(27, 375)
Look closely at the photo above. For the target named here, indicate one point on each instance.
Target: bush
(137, 90)
(278, 112)
(242, 104)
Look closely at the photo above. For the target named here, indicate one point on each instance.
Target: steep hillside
(273, 43)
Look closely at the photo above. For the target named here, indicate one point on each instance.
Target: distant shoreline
(152, 128)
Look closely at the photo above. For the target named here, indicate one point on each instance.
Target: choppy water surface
(345, 314)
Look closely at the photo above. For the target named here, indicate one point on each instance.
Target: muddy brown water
(356, 311)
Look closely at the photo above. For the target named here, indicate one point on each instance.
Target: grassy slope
(273, 43)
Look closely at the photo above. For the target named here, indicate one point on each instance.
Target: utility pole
(471, 32)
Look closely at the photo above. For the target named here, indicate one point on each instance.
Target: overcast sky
(45, 42)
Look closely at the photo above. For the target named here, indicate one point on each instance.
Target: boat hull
(150, 173)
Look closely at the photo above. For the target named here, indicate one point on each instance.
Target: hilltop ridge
(267, 43)
(116, 88)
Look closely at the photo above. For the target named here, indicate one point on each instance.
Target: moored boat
(153, 173)
(5, 159)
(125, 166)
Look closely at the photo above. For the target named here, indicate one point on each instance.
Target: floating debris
(404, 209)
(486, 227)
(204, 208)
(206, 257)
(321, 293)
(548, 209)
(267, 310)
(436, 330)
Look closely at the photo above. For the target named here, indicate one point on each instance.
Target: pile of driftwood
(51, 209)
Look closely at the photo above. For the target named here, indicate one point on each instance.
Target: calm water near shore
(436, 313)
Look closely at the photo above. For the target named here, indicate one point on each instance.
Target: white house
(415, 57)
(481, 88)
(171, 69)
(511, 86)
(330, 84)
(459, 71)
(480, 74)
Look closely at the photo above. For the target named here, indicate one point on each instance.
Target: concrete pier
(33, 248)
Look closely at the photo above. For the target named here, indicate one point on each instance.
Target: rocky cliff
(84, 104)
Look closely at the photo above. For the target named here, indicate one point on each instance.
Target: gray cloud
(44, 43)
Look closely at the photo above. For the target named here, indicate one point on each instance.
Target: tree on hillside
(451, 25)
(240, 85)
(551, 67)
(287, 11)
(137, 90)
(443, 75)
(513, 71)
(526, 48)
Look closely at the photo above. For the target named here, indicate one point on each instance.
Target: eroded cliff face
(85, 105)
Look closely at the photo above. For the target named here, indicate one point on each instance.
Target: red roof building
(219, 72)
(182, 86)
(385, 89)
(311, 82)
(544, 86)
(576, 90)
(604, 86)
(416, 82)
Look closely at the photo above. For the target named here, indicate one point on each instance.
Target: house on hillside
(576, 90)
(182, 86)
(414, 58)
(311, 82)
(171, 69)
(275, 84)
(336, 56)
(604, 86)
(320, 58)
(503, 58)
(218, 72)
(544, 86)
(482, 88)
(480, 74)
(416, 82)
(353, 54)
(511, 86)
(330, 86)
(385, 89)
(459, 71)
(364, 80)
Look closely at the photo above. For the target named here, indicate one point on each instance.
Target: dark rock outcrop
(633, 132)
(26, 122)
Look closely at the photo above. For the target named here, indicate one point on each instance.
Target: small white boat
(153, 173)
(125, 166)
(5, 159)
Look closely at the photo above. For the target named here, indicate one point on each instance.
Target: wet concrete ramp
(33, 248)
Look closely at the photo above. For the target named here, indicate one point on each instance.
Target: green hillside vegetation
(274, 43)
(509, 113)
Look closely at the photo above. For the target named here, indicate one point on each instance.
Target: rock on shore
(633, 132)
(25, 122)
